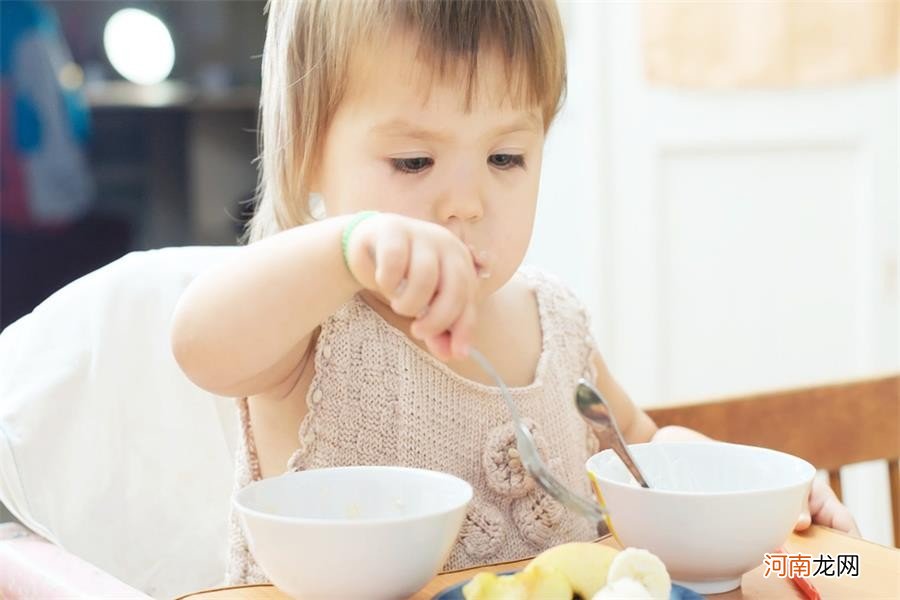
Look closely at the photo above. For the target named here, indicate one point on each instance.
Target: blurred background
(123, 130)
(721, 187)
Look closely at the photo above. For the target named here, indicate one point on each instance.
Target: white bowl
(353, 532)
(713, 510)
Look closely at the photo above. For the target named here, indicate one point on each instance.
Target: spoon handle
(625, 456)
(595, 410)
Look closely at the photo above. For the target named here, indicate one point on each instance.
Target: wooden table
(879, 574)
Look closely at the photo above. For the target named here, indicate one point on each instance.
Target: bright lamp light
(139, 46)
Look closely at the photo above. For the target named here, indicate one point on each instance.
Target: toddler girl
(344, 327)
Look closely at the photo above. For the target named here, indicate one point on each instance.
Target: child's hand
(826, 510)
(425, 272)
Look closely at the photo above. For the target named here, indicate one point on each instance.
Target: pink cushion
(31, 567)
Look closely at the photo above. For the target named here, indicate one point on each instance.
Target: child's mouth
(482, 259)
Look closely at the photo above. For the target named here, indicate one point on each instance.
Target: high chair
(107, 450)
(828, 425)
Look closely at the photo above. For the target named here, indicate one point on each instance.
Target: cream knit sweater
(378, 399)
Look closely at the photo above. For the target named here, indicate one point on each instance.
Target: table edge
(512, 562)
(223, 588)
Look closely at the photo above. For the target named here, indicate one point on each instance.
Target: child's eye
(412, 165)
(506, 161)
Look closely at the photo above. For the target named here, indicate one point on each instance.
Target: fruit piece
(623, 589)
(544, 582)
(536, 584)
(644, 567)
(478, 586)
(488, 586)
(582, 563)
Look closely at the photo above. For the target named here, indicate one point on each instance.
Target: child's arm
(636, 426)
(244, 327)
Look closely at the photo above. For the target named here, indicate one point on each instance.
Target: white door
(743, 240)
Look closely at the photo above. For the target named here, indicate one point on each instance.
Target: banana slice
(645, 568)
(623, 589)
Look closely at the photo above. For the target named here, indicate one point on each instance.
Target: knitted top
(376, 398)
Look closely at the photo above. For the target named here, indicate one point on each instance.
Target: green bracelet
(348, 229)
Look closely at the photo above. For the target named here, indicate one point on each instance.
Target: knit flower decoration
(538, 515)
(482, 534)
(502, 465)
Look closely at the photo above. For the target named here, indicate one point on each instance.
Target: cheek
(516, 208)
(514, 223)
(517, 235)
(395, 198)
(357, 185)
(401, 194)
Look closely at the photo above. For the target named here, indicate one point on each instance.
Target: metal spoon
(595, 410)
(531, 460)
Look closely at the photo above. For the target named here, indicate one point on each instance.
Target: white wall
(725, 242)
(571, 219)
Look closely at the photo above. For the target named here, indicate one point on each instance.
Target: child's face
(403, 144)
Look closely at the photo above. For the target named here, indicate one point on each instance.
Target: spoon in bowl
(595, 410)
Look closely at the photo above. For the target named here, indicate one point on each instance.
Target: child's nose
(461, 200)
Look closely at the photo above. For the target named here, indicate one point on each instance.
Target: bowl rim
(356, 521)
(763, 490)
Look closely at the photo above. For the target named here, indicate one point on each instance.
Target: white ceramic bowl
(353, 532)
(713, 510)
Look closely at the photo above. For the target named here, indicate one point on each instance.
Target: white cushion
(106, 448)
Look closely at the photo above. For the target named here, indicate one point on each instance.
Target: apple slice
(584, 565)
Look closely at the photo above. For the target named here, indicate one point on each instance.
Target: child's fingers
(461, 332)
(421, 280)
(805, 518)
(827, 510)
(391, 262)
(453, 343)
(448, 303)
(825, 515)
(803, 521)
(439, 345)
(819, 493)
(835, 515)
(842, 520)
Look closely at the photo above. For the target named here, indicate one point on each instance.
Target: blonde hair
(308, 50)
